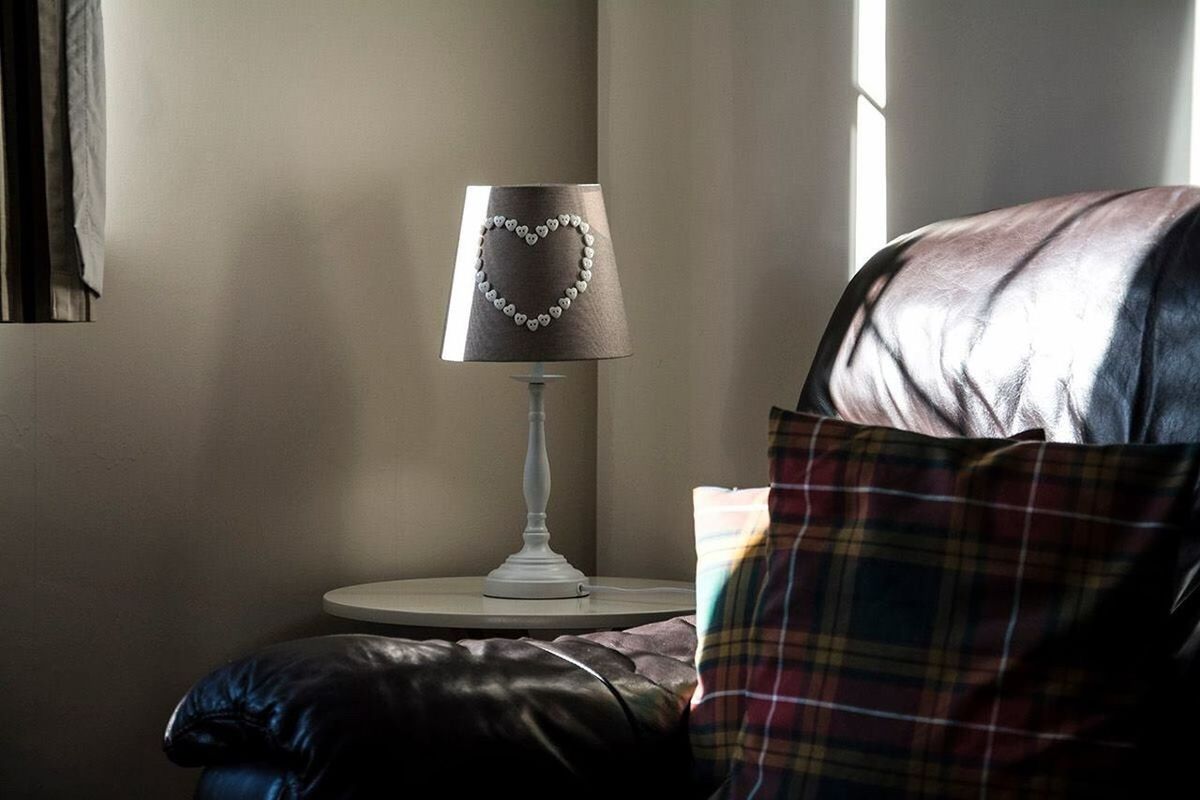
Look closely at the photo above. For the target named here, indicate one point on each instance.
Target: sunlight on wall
(869, 221)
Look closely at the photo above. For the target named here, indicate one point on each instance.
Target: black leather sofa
(1079, 315)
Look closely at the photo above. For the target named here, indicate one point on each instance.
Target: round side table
(459, 603)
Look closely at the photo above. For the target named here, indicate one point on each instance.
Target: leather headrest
(1077, 314)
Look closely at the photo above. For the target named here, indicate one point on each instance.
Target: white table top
(459, 603)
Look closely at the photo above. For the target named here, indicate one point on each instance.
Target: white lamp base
(527, 577)
(536, 572)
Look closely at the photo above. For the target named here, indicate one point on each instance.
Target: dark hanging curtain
(52, 148)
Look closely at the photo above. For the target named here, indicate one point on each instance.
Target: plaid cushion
(731, 528)
(956, 617)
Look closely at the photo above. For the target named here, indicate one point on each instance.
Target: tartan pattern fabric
(957, 618)
(731, 529)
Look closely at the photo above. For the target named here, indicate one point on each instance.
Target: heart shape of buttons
(488, 288)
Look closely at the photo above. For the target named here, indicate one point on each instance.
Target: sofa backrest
(1076, 314)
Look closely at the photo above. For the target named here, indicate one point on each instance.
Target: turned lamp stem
(536, 572)
(537, 466)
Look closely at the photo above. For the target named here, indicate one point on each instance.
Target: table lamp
(535, 280)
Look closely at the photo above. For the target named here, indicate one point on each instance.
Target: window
(869, 222)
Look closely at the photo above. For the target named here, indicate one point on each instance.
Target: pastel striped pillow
(731, 527)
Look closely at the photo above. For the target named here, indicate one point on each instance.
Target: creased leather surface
(245, 782)
(365, 716)
(1076, 314)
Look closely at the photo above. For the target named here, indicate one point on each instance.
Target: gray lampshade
(544, 268)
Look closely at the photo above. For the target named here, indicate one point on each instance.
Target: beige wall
(992, 104)
(724, 147)
(260, 413)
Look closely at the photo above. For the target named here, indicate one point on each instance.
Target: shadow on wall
(784, 231)
(1000, 103)
(276, 446)
(301, 442)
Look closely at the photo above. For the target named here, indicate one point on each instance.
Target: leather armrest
(346, 716)
(244, 782)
